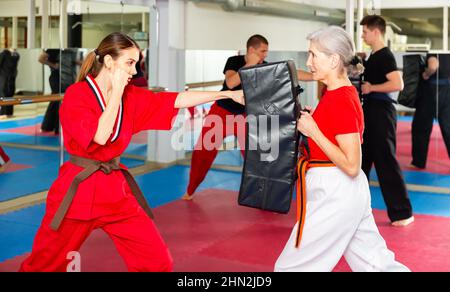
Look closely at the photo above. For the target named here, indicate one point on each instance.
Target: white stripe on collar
(97, 92)
(101, 101)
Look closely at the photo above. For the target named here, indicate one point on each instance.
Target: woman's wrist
(315, 134)
(221, 95)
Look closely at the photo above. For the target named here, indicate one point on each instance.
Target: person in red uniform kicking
(226, 118)
(99, 115)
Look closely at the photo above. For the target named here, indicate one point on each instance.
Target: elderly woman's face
(320, 64)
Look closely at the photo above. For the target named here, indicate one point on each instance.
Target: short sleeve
(348, 119)
(153, 111)
(79, 120)
(390, 65)
(230, 65)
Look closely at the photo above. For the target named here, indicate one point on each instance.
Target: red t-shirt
(338, 112)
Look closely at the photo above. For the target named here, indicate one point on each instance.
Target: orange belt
(302, 167)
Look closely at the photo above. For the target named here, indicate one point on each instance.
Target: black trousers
(428, 107)
(7, 110)
(7, 89)
(379, 146)
(50, 122)
(51, 118)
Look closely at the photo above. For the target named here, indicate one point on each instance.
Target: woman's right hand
(306, 124)
(119, 79)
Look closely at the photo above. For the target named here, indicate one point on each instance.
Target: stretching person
(99, 115)
(337, 219)
(226, 116)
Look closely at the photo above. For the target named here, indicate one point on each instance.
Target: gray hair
(335, 40)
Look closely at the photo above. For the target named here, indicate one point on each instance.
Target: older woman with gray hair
(334, 207)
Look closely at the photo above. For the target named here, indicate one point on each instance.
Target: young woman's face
(127, 60)
(319, 63)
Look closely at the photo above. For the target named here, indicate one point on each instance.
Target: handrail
(203, 84)
(27, 99)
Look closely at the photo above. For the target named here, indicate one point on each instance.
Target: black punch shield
(271, 152)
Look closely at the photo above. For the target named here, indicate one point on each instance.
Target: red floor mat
(213, 233)
(438, 160)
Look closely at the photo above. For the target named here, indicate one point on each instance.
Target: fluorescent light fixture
(321, 13)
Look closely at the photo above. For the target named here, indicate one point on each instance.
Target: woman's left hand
(306, 124)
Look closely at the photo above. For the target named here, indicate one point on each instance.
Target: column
(360, 15)
(31, 24)
(44, 25)
(62, 24)
(350, 18)
(167, 69)
(445, 30)
(15, 25)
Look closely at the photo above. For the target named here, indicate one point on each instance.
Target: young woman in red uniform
(334, 213)
(99, 115)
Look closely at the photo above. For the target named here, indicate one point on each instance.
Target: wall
(209, 27)
(97, 26)
(29, 77)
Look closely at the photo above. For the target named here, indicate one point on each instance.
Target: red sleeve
(347, 120)
(79, 120)
(153, 111)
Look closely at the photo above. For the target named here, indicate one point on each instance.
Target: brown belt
(90, 166)
(303, 165)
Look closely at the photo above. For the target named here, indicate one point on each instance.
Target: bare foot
(414, 166)
(404, 222)
(187, 197)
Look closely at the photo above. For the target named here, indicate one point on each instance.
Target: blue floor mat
(230, 157)
(29, 140)
(17, 231)
(4, 125)
(44, 170)
(421, 178)
(137, 149)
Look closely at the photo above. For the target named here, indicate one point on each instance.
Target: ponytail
(355, 68)
(89, 66)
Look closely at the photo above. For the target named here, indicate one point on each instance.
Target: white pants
(338, 222)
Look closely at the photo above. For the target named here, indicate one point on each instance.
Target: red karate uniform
(103, 200)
